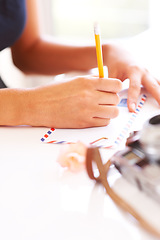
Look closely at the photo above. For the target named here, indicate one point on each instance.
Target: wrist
(12, 110)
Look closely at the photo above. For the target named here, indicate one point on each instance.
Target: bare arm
(33, 53)
(79, 103)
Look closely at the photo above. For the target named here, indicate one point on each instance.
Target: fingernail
(132, 107)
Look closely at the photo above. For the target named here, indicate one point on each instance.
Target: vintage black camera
(139, 162)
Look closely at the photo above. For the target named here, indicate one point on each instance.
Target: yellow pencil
(98, 50)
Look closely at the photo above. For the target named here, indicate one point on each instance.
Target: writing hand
(78, 103)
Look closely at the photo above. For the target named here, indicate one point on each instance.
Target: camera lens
(150, 139)
(155, 120)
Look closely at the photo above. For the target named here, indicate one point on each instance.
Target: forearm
(78, 103)
(12, 107)
(49, 58)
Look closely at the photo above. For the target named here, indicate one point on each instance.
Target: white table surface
(39, 200)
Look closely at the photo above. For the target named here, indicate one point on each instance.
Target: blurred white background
(72, 21)
(117, 18)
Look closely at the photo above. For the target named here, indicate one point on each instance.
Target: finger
(108, 85)
(100, 122)
(105, 98)
(152, 85)
(106, 111)
(158, 80)
(134, 90)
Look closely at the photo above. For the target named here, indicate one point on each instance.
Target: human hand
(121, 65)
(78, 103)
